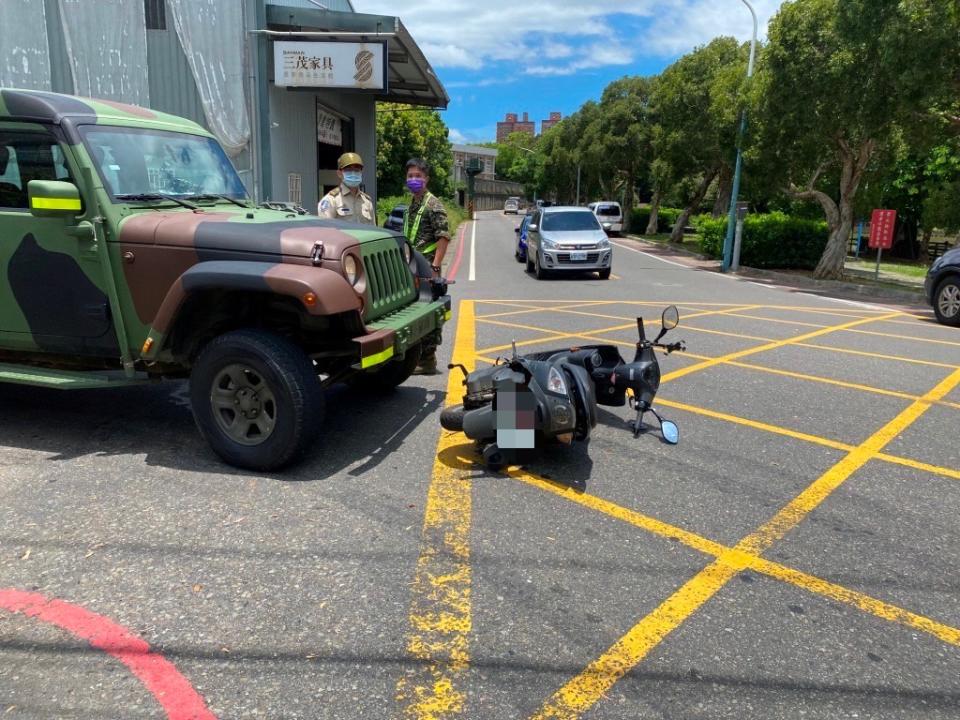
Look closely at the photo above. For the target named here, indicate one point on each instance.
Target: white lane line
(652, 257)
(473, 252)
(855, 303)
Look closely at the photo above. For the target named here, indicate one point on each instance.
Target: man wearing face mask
(425, 225)
(347, 202)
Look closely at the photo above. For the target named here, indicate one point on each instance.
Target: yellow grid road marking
(440, 609)
(811, 583)
(806, 437)
(769, 346)
(560, 335)
(583, 691)
(861, 353)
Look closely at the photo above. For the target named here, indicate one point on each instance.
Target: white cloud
(533, 34)
(457, 137)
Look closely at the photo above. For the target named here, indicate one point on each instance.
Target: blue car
(520, 250)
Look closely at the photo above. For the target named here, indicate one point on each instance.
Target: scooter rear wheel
(452, 418)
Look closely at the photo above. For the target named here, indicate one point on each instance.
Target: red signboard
(881, 229)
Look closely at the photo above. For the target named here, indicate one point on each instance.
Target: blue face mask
(353, 178)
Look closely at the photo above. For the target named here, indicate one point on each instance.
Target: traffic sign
(881, 229)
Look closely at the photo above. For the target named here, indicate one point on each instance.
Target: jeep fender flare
(332, 293)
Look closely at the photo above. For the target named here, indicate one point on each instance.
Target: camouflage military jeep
(130, 253)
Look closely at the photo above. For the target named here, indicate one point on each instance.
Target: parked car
(942, 286)
(132, 254)
(512, 205)
(394, 220)
(567, 239)
(610, 216)
(520, 249)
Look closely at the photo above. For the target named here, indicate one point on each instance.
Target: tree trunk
(677, 235)
(654, 213)
(724, 191)
(925, 245)
(628, 204)
(839, 215)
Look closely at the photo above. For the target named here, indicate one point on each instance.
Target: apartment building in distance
(512, 124)
(554, 118)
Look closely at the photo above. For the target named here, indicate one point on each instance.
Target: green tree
(404, 132)
(696, 103)
(838, 78)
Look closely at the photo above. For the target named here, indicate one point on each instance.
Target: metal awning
(412, 79)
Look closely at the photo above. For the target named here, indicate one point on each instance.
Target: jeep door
(51, 280)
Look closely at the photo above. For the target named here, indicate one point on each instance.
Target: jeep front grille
(389, 281)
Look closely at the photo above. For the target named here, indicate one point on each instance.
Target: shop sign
(329, 129)
(360, 66)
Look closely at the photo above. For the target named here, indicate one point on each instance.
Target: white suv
(512, 205)
(610, 216)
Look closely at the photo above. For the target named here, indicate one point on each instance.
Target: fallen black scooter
(526, 402)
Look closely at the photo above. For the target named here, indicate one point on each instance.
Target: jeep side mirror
(54, 198)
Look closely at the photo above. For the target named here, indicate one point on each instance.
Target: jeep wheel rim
(949, 301)
(243, 404)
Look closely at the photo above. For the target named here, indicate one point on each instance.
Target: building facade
(512, 124)
(286, 86)
(462, 154)
(554, 118)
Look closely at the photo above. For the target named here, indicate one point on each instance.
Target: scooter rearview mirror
(671, 433)
(671, 318)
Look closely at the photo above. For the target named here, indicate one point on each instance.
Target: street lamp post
(732, 215)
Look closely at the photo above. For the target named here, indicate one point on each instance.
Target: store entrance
(335, 136)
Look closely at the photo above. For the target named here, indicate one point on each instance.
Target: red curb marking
(175, 695)
(456, 261)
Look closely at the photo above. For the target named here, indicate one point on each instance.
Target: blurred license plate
(578, 256)
(515, 409)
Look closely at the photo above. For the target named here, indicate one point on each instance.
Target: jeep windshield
(156, 165)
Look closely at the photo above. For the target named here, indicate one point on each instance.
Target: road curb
(906, 294)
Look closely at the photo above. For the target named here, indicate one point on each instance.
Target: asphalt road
(796, 555)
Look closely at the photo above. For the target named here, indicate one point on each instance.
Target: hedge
(665, 219)
(775, 240)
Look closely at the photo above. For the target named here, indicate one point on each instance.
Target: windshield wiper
(138, 197)
(209, 196)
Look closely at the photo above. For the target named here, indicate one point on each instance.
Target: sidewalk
(861, 286)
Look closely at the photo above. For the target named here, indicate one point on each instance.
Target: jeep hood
(262, 232)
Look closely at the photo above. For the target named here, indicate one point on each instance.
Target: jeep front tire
(256, 399)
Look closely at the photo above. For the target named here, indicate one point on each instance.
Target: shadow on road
(155, 421)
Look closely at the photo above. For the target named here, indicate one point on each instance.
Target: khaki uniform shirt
(433, 225)
(341, 204)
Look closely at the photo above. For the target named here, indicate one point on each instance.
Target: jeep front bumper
(392, 335)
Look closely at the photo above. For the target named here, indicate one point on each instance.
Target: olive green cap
(350, 158)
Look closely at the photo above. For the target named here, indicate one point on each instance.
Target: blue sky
(534, 56)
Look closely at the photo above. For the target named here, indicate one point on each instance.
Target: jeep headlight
(406, 251)
(555, 382)
(350, 269)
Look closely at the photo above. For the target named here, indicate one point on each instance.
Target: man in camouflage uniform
(425, 225)
(347, 202)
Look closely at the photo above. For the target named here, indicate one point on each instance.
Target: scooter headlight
(555, 382)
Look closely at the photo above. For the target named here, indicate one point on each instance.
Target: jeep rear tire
(256, 399)
(391, 374)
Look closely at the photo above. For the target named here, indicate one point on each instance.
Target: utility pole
(732, 215)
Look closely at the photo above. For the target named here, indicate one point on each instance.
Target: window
(143, 162)
(156, 14)
(26, 156)
(570, 221)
